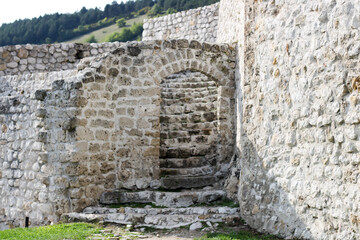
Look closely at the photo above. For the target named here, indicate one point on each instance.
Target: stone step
(194, 171)
(193, 93)
(186, 182)
(158, 218)
(186, 162)
(184, 152)
(170, 141)
(187, 75)
(190, 119)
(199, 108)
(165, 199)
(163, 211)
(192, 85)
(208, 99)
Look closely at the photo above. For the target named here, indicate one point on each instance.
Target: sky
(12, 10)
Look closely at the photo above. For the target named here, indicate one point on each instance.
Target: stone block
(152, 152)
(126, 122)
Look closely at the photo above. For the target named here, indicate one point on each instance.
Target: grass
(81, 231)
(78, 231)
(223, 203)
(102, 33)
(242, 235)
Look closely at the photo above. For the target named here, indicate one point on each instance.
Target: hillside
(52, 28)
(101, 34)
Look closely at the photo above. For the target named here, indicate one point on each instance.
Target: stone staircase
(190, 192)
(160, 210)
(188, 131)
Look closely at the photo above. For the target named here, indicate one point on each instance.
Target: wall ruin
(195, 24)
(25, 59)
(69, 136)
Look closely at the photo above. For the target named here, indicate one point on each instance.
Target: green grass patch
(102, 33)
(239, 235)
(74, 231)
(223, 203)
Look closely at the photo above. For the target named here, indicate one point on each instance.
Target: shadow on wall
(263, 202)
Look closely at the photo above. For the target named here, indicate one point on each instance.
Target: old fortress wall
(196, 24)
(299, 115)
(25, 59)
(276, 105)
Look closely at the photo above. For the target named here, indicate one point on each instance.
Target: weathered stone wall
(195, 24)
(31, 183)
(298, 99)
(119, 130)
(69, 136)
(24, 59)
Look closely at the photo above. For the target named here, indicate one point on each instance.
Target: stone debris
(159, 218)
(195, 226)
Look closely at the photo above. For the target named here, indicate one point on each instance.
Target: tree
(155, 10)
(83, 11)
(121, 22)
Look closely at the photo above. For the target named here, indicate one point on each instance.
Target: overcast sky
(12, 10)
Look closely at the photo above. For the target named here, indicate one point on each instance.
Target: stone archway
(189, 130)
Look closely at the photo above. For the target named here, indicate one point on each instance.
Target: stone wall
(298, 99)
(24, 59)
(195, 24)
(31, 180)
(120, 120)
(69, 136)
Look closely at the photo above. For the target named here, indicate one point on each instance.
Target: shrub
(121, 22)
(91, 39)
(137, 29)
(124, 35)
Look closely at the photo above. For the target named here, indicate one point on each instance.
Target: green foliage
(171, 11)
(121, 22)
(91, 39)
(137, 29)
(155, 10)
(143, 11)
(74, 231)
(83, 29)
(242, 235)
(223, 203)
(57, 27)
(126, 34)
